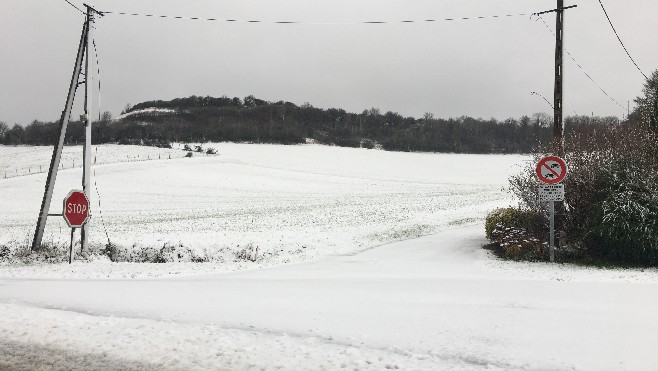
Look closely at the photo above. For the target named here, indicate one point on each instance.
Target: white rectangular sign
(554, 192)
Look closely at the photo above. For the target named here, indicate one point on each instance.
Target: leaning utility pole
(64, 120)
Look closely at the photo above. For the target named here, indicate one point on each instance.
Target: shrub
(247, 253)
(514, 218)
(187, 147)
(211, 151)
(367, 143)
(163, 144)
(4, 252)
(517, 244)
(168, 253)
(189, 154)
(624, 227)
(610, 210)
(514, 234)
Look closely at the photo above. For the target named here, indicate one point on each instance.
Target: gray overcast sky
(483, 68)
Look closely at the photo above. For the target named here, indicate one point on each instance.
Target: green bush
(624, 227)
(517, 244)
(528, 220)
(610, 212)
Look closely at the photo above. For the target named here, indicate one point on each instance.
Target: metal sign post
(71, 247)
(551, 171)
(551, 194)
(75, 213)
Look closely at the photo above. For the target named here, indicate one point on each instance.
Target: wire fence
(73, 163)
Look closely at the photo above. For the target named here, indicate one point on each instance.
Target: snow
(383, 270)
(294, 203)
(25, 160)
(437, 302)
(150, 110)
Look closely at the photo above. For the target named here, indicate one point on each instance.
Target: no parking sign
(551, 170)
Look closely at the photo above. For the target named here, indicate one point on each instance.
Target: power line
(78, 9)
(98, 73)
(621, 42)
(539, 95)
(320, 23)
(100, 209)
(581, 67)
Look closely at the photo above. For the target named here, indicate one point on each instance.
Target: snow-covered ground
(351, 297)
(434, 303)
(292, 202)
(18, 161)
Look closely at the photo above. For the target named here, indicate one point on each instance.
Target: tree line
(202, 119)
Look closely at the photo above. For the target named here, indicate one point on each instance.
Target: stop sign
(76, 209)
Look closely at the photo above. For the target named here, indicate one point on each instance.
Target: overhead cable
(98, 73)
(621, 42)
(581, 67)
(318, 23)
(78, 9)
(544, 98)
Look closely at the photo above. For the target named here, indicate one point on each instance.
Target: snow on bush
(610, 212)
(517, 234)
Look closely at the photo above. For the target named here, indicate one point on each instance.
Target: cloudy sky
(482, 68)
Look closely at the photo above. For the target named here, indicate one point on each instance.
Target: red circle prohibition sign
(551, 170)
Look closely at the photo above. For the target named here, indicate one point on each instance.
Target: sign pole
(71, 247)
(551, 171)
(551, 247)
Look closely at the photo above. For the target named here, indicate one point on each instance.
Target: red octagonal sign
(76, 209)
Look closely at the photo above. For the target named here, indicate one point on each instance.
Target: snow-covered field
(27, 160)
(354, 299)
(292, 202)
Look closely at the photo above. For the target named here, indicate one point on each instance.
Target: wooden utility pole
(86, 151)
(558, 129)
(64, 120)
(57, 152)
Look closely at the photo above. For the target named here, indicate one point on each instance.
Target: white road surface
(439, 302)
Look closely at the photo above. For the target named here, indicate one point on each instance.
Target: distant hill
(201, 119)
(198, 119)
